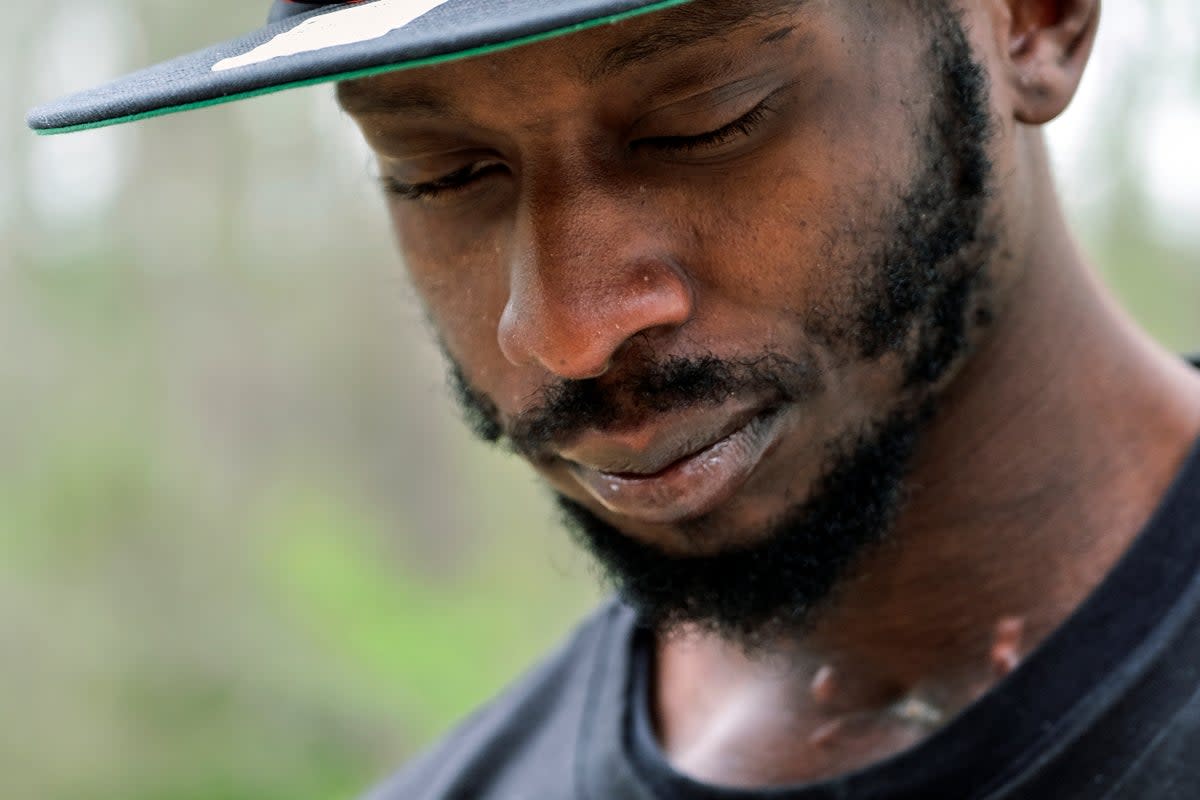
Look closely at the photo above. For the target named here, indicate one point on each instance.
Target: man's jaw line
(788, 571)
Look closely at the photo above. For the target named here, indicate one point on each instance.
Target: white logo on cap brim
(360, 23)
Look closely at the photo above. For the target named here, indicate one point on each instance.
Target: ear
(1049, 42)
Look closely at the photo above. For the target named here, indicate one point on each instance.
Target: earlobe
(1049, 42)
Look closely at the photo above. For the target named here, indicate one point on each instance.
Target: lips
(668, 474)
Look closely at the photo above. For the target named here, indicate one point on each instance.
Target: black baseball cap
(305, 43)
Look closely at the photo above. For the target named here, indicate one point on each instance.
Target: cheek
(460, 277)
(796, 231)
(799, 218)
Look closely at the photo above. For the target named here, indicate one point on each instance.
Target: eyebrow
(394, 99)
(691, 24)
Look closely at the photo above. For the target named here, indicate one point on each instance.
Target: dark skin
(582, 236)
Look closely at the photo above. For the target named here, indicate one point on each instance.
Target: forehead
(587, 57)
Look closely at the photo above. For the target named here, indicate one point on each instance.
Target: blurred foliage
(245, 549)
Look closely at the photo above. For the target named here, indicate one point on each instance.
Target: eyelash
(451, 182)
(464, 177)
(742, 126)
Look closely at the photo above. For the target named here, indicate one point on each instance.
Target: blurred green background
(245, 549)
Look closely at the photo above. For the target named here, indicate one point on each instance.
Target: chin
(739, 524)
(761, 562)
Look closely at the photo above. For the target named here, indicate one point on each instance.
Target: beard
(922, 296)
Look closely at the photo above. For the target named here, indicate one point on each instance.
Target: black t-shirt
(1107, 708)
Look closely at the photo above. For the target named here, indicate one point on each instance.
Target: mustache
(565, 409)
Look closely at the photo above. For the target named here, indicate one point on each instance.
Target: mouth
(676, 475)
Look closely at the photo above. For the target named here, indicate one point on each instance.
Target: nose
(588, 272)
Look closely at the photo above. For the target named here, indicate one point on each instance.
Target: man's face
(706, 270)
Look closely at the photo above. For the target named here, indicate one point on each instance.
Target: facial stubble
(923, 299)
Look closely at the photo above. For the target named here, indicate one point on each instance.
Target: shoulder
(521, 744)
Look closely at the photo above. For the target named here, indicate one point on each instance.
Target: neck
(1050, 451)
(1053, 447)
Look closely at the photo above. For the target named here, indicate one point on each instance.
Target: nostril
(572, 319)
(581, 340)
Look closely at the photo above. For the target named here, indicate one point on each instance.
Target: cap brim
(331, 44)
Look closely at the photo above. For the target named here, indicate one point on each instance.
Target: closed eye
(449, 183)
(741, 127)
(465, 177)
